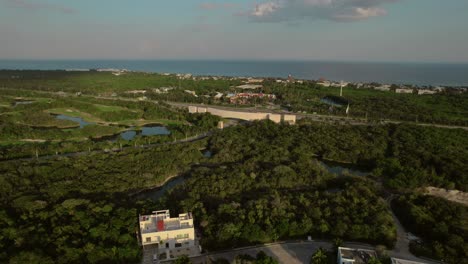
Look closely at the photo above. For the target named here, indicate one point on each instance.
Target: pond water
(156, 193)
(329, 101)
(145, 131)
(333, 167)
(152, 130)
(340, 168)
(78, 120)
(207, 154)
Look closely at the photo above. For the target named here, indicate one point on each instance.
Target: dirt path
(451, 195)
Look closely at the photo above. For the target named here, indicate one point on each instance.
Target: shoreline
(315, 72)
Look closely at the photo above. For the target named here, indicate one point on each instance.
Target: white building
(355, 256)
(426, 91)
(404, 261)
(383, 88)
(250, 86)
(324, 83)
(252, 80)
(191, 92)
(166, 232)
(404, 91)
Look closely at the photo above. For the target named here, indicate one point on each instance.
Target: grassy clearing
(109, 108)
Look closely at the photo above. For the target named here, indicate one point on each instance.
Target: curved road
(292, 252)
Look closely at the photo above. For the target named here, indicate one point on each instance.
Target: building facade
(164, 232)
(355, 256)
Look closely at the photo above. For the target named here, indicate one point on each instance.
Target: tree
(373, 260)
(183, 260)
(319, 257)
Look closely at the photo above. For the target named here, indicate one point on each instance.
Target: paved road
(402, 244)
(290, 252)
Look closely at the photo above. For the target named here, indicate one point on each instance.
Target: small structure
(253, 80)
(324, 83)
(191, 92)
(355, 256)
(404, 261)
(169, 236)
(218, 95)
(383, 88)
(404, 91)
(249, 86)
(426, 91)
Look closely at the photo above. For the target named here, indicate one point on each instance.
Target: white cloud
(337, 10)
(265, 9)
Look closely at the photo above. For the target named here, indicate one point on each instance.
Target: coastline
(421, 74)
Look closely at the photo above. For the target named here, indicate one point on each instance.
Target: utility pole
(341, 89)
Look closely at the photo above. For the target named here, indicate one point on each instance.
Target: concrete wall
(193, 109)
(289, 119)
(277, 118)
(170, 236)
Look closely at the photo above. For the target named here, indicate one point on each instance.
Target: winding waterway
(333, 167)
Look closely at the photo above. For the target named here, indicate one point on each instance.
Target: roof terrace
(161, 221)
(357, 256)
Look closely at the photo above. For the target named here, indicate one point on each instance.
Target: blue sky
(343, 30)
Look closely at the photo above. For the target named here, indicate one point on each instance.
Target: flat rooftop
(160, 221)
(360, 256)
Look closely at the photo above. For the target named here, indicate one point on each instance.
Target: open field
(447, 107)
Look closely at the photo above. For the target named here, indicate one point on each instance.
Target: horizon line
(235, 60)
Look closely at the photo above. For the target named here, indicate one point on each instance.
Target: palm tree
(319, 257)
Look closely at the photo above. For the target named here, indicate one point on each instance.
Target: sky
(336, 30)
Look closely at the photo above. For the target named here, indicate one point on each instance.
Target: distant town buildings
(355, 256)
(253, 80)
(244, 98)
(384, 88)
(249, 86)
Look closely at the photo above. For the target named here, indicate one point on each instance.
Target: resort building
(355, 256)
(171, 236)
(404, 91)
(426, 91)
(404, 261)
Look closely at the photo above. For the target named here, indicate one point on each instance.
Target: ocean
(388, 73)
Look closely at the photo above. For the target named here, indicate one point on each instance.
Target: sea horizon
(411, 73)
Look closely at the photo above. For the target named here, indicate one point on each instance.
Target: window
(178, 245)
(148, 239)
